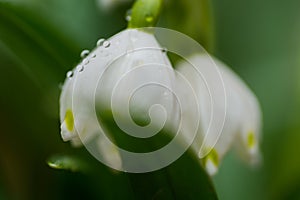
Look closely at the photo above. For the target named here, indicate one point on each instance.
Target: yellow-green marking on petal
(69, 119)
(212, 156)
(211, 162)
(251, 140)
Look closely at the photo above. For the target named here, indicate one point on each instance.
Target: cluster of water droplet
(148, 17)
(84, 55)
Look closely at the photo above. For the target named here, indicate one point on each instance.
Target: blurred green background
(41, 40)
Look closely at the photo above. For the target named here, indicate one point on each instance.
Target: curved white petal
(242, 113)
(68, 131)
(248, 138)
(137, 79)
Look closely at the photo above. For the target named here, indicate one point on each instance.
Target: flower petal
(242, 122)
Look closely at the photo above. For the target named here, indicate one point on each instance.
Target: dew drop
(128, 18)
(93, 55)
(100, 42)
(164, 50)
(85, 61)
(84, 53)
(149, 18)
(106, 44)
(80, 68)
(128, 15)
(70, 74)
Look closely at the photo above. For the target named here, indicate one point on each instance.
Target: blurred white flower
(243, 117)
(110, 4)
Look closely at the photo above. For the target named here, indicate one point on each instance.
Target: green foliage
(41, 40)
(182, 179)
(145, 13)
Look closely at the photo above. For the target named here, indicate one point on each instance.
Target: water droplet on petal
(80, 68)
(106, 44)
(128, 15)
(93, 55)
(100, 42)
(128, 18)
(84, 53)
(164, 50)
(85, 61)
(70, 74)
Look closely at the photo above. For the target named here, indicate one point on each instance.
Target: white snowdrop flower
(242, 122)
(106, 81)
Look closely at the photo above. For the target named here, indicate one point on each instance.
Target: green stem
(145, 13)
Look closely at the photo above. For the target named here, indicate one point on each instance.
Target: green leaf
(45, 39)
(34, 44)
(183, 179)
